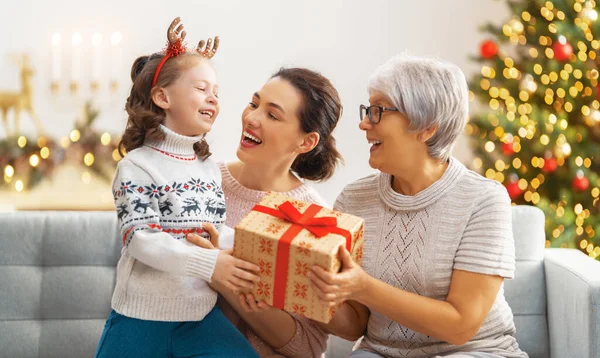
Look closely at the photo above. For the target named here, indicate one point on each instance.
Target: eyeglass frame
(370, 116)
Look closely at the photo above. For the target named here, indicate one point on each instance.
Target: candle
(115, 41)
(96, 56)
(56, 57)
(76, 40)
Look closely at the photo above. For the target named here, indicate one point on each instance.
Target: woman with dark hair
(286, 137)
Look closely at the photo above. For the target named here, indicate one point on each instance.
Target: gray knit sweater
(462, 221)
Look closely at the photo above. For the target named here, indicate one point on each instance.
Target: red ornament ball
(507, 148)
(488, 49)
(580, 183)
(513, 189)
(562, 52)
(550, 165)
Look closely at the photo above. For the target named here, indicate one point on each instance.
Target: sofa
(57, 273)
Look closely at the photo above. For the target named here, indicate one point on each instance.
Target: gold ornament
(20, 101)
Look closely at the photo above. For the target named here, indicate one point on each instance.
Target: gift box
(285, 237)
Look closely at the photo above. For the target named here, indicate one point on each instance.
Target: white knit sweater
(162, 192)
(461, 222)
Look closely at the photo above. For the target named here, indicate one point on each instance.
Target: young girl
(164, 188)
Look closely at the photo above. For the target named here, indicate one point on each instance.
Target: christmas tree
(538, 128)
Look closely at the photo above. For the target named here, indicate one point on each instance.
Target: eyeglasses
(374, 112)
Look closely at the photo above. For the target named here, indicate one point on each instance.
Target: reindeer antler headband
(175, 46)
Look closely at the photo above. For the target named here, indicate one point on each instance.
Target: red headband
(173, 50)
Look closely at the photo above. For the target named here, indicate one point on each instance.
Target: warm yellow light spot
(535, 198)
(526, 16)
(517, 147)
(499, 165)
(22, 141)
(524, 96)
(499, 177)
(477, 163)
(563, 124)
(485, 84)
(490, 173)
(522, 132)
(19, 186)
(582, 56)
(587, 162)
(494, 104)
(545, 79)
(595, 192)
(514, 73)
(486, 71)
(577, 73)
(578, 209)
(42, 141)
(494, 92)
(537, 68)
(499, 131)
(116, 156)
(568, 106)
(516, 163)
(553, 76)
(509, 62)
(535, 183)
(533, 52)
(528, 195)
(522, 183)
(45, 152)
(544, 139)
(579, 161)
(549, 53)
(560, 212)
(552, 28)
(490, 146)
(88, 159)
(105, 139)
(75, 135)
(9, 171)
(34, 160)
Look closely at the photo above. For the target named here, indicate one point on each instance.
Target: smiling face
(191, 102)
(393, 147)
(271, 127)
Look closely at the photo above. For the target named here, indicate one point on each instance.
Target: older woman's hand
(335, 288)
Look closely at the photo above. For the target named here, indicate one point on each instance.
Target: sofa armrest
(573, 291)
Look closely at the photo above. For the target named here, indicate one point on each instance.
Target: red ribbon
(307, 220)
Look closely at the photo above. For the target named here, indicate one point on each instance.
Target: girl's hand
(235, 274)
(336, 288)
(250, 305)
(230, 272)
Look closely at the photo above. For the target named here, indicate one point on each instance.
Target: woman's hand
(336, 288)
(248, 302)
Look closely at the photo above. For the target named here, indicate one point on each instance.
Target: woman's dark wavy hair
(145, 117)
(319, 112)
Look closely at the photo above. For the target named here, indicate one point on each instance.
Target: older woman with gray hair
(438, 240)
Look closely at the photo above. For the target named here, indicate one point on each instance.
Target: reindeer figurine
(20, 101)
